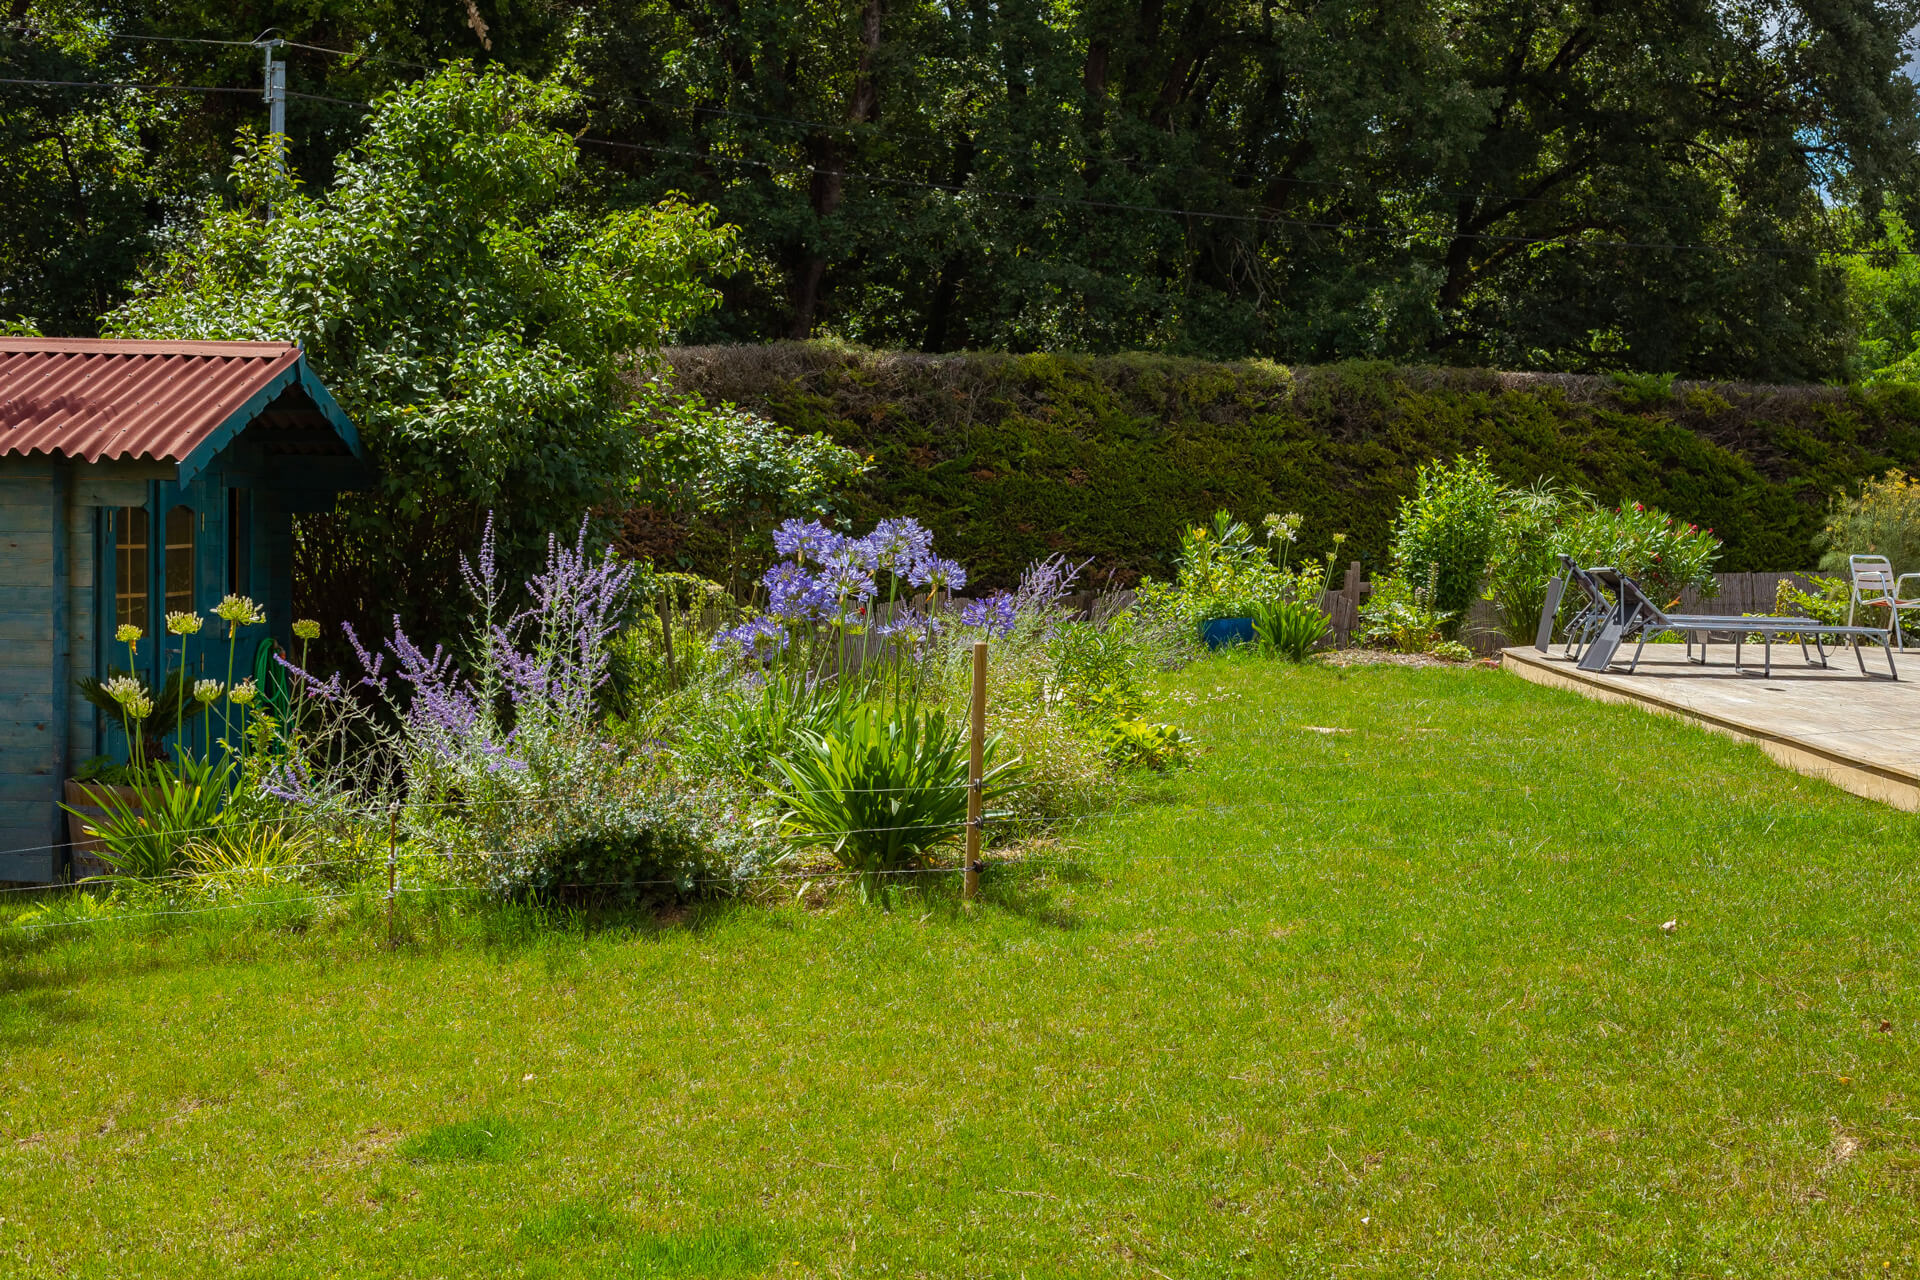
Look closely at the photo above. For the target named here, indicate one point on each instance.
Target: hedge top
(1012, 457)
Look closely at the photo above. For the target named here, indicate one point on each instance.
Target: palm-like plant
(172, 707)
(879, 791)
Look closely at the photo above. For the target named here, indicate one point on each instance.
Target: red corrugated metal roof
(97, 398)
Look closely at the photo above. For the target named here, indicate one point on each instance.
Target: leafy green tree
(1578, 185)
(1883, 294)
(78, 192)
(469, 314)
(1573, 186)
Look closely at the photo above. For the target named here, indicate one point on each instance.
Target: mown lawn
(1392, 1000)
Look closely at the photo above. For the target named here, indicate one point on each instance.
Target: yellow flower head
(238, 611)
(182, 623)
(306, 629)
(127, 633)
(131, 695)
(206, 691)
(242, 693)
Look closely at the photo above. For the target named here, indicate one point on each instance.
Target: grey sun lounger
(1616, 610)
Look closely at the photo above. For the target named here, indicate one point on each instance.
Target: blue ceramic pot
(1221, 632)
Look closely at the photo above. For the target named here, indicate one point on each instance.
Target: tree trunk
(827, 154)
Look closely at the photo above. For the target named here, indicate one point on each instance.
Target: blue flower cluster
(995, 614)
(830, 577)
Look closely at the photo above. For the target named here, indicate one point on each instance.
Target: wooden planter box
(84, 796)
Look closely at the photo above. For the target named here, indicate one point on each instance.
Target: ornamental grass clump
(880, 791)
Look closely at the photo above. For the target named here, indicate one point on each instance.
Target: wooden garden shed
(136, 478)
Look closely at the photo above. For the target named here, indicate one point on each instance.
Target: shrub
(1401, 617)
(1540, 523)
(1884, 520)
(664, 643)
(730, 477)
(1445, 533)
(1526, 555)
(1663, 554)
(1827, 602)
(1088, 657)
(1095, 680)
(1221, 572)
(631, 839)
(1117, 723)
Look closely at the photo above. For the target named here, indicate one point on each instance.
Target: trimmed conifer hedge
(1009, 458)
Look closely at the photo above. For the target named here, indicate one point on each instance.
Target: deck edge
(1872, 782)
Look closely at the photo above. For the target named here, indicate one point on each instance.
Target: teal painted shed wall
(57, 610)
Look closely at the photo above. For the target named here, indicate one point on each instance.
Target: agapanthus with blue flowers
(995, 614)
(854, 614)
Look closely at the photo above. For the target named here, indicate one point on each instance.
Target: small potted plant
(1219, 580)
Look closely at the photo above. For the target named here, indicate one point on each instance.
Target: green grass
(1387, 1001)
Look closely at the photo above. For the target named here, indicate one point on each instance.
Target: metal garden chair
(1874, 586)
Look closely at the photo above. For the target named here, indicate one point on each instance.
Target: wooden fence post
(976, 768)
(665, 609)
(1350, 608)
(393, 866)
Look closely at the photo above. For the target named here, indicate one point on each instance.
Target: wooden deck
(1857, 732)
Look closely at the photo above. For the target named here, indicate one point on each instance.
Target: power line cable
(1129, 163)
(130, 84)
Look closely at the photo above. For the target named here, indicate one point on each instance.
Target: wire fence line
(374, 860)
(772, 832)
(375, 817)
(384, 896)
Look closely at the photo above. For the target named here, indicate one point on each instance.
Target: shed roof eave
(295, 374)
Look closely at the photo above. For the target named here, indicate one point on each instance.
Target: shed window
(239, 542)
(130, 567)
(180, 559)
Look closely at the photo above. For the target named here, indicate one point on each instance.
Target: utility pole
(274, 93)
